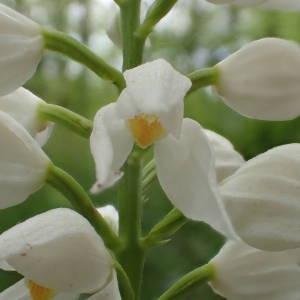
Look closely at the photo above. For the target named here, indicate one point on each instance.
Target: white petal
(5, 266)
(245, 273)
(284, 5)
(185, 169)
(262, 81)
(111, 216)
(22, 106)
(110, 292)
(110, 144)
(59, 250)
(227, 160)
(23, 164)
(152, 88)
(262, 199)
(18, 291)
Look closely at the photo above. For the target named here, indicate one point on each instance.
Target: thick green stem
(124, 283)
(130, 212)
(170, 224)
(64, 44)
(155, 13)
(204, 77)
(133, 45)
(81, 202)
(197, 277)
(65, 117)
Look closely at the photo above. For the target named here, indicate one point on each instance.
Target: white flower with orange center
(150, 111)
(60, 255)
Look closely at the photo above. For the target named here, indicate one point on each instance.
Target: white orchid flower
(150, 111)
(261, 80)
(246, 273)
(22, 105)
(227, 160)
(21, 47)
(284, 5)
(262, 199)
(23, 165)
(59, 253)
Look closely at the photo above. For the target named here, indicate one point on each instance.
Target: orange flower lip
(146, 129)
(39, 292)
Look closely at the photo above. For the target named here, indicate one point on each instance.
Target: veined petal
(110, 144)
(110, 292)
(23, 164)
(22, 106)
(59, 250)
(227, 160)
(154, 88)
(185, 169)
(246, 273)
(262, 199)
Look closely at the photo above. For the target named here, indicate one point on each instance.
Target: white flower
(262, 80)
(285, 5)
(150, 111)
(262, 199)
(23, 165)
(227, 160)
(246, 273)
(60, 251)
(21, 46)
(111, 216)
(22, 105)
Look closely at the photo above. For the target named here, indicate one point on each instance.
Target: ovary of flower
(146, 129)
(150, 111)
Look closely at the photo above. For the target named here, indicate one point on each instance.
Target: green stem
(65, 44)
(81, 202)
(204, 77)
(197, 277)
(130, 212)
(170, 224)
(133, 45)
(155, 13)
(65, 117)
(124, 283)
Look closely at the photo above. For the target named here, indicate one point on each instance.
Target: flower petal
(23, 164)
(185, 169)
(152, 88)
(111, 216)
(110, 292)
(59, 250)
(110, 144)
(227, 160)
(246, 273)
(262, 199)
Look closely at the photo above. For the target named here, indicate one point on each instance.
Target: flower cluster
(254, 204)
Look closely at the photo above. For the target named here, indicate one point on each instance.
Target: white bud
(110, 214)
(22, 105)
(262, 80)
(245, 273)
(262, 199)
(285, 5)
(23, 165)
(227, 160)
(21, 46)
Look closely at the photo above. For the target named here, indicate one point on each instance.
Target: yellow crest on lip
(39, 292)
(146, 129)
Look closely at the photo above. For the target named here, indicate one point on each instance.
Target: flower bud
(23, 165)
(262, 80)
(22, 105)
(227, 160)
(21, 46)
(246, 273)
(262, 199)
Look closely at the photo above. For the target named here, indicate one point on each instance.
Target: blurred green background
(195, 35)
